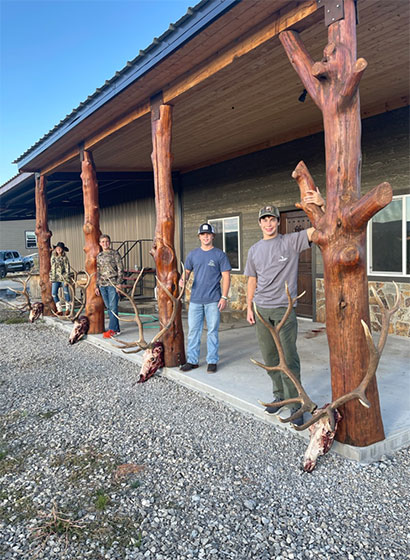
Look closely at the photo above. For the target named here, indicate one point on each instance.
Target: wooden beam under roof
(281, 20)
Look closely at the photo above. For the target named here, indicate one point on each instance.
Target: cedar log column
(94, 306)
(43, 241)
(341, 230)
(163, 247)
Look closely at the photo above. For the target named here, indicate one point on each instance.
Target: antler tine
(291, 301)
(175, 301)
(386, 315)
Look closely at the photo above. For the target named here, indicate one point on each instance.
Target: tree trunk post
(94, 306)
(163, 249)
(341, 230)
(43, 241)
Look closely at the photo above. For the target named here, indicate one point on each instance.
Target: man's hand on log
(314, 197)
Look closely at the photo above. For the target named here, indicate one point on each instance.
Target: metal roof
(178, 33)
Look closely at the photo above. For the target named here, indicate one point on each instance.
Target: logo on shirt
(211, 263)
(282, 259)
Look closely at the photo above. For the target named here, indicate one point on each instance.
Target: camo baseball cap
(205, 228)
(269, 211)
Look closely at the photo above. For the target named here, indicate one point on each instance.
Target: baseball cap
(206, 228)
(269, 211)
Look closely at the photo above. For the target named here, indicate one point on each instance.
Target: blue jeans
(55, 286)
(110, 297)
(196, 314)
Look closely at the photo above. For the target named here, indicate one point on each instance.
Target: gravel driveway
(96, 466)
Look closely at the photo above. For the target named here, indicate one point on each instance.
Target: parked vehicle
(12, 261)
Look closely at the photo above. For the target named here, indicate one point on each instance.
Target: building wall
(243, 185)
(12, 235)
(126, 221)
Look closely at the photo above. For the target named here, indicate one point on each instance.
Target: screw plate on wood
(334, 10)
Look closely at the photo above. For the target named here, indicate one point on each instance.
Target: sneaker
(116, 333)
(108, 334)
(211, 368)
(298, 421)
(272, 408)
(188, 367)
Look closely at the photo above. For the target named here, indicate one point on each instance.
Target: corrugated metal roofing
(176, 34)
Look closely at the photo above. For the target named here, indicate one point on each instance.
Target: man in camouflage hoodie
(109, 269)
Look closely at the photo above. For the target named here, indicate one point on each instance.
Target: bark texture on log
(43, 241)
(341, 230)
(163, 249)
(95, 305)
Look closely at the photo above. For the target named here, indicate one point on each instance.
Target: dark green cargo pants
(282, 385)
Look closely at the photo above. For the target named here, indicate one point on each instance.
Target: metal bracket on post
(81, 150)
(156, 101)
(334, 10)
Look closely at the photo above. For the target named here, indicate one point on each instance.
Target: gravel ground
(202, 481)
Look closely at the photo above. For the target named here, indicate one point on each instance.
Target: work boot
(298, 421)
(272, 408)
(188, 367)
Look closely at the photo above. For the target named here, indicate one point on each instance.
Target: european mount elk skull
(324, 421)
(35, 309)
(153, 357)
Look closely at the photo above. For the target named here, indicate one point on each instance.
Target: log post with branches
(163, 247)
(43, 241)
(95, 306)
(333, 84)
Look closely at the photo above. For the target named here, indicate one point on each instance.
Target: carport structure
(219, 81)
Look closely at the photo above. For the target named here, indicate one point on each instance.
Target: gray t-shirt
(274, 262)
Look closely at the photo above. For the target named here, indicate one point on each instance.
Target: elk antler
(141, 343)
(23, 292)
(76, 283)
(358, 393)
(307, 405)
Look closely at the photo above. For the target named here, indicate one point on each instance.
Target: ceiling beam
(103, 176)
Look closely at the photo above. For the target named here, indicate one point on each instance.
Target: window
(227, 238)
(388, 239)
(31, 240)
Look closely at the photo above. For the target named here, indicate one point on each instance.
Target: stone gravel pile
(94, 466)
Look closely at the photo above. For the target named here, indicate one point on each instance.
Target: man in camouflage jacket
(109, 269)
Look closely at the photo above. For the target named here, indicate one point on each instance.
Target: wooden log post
(43, 241)
(94, 306)
(341, 230)
(163, 249)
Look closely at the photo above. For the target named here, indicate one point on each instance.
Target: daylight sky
(55, 53)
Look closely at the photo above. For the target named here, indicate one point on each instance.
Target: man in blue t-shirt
(209, 265)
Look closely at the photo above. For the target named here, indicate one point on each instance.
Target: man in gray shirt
(272, 261)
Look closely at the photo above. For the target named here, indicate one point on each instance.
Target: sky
(55, 53)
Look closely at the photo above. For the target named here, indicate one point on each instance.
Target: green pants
(283, 387)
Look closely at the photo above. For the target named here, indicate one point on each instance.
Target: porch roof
(233, 89)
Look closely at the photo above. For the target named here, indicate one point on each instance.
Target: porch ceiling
(252, 103)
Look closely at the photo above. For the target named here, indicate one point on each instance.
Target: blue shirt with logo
(207, 267)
